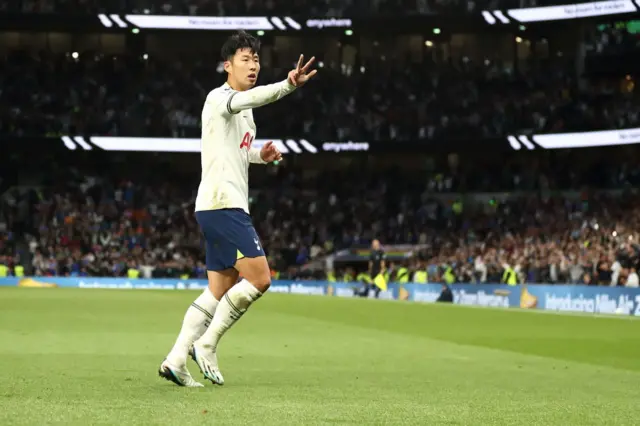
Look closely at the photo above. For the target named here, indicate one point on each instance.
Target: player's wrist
(257, 156)
(290, 82)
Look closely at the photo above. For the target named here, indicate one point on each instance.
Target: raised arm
(264, 95)
(258, 96)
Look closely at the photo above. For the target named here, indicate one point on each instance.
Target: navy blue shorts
(229, 235)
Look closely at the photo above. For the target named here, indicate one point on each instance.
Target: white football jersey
(228, 131)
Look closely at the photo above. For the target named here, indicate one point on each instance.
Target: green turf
(90, 357)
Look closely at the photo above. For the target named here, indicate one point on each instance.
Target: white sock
(232, 306)
(195, 323)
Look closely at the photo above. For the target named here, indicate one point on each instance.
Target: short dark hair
(240, 40)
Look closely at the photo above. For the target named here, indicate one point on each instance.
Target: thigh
(229, 236)
(250, 260)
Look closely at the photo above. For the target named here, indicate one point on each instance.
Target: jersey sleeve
(254, 156)
(218, 98)
(228, 101)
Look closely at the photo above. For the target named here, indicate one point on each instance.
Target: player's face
(244, 68)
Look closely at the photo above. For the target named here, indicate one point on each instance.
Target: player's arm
(264, 95)
(258, 96)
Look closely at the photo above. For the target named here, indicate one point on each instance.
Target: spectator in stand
(632, 278)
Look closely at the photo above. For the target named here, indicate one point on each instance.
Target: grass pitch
(71, 356)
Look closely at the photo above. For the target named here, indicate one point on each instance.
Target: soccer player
(222, 208)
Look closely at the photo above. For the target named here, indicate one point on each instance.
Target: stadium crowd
(115, 227)
(540, 240)
(51, 94)
(322, 8)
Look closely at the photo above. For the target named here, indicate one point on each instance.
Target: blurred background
(479, 142)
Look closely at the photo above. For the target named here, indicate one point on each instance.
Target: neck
(235, 86)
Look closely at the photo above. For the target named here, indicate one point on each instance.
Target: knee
(256, 271)
(262, 283)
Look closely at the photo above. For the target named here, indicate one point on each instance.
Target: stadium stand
(553, 227)
(128, 96)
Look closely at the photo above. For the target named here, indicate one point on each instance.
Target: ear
(227, 66)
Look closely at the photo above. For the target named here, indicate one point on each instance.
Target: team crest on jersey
(247, 140)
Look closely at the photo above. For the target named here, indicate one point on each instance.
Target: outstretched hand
(270, 153)
(298, 76)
